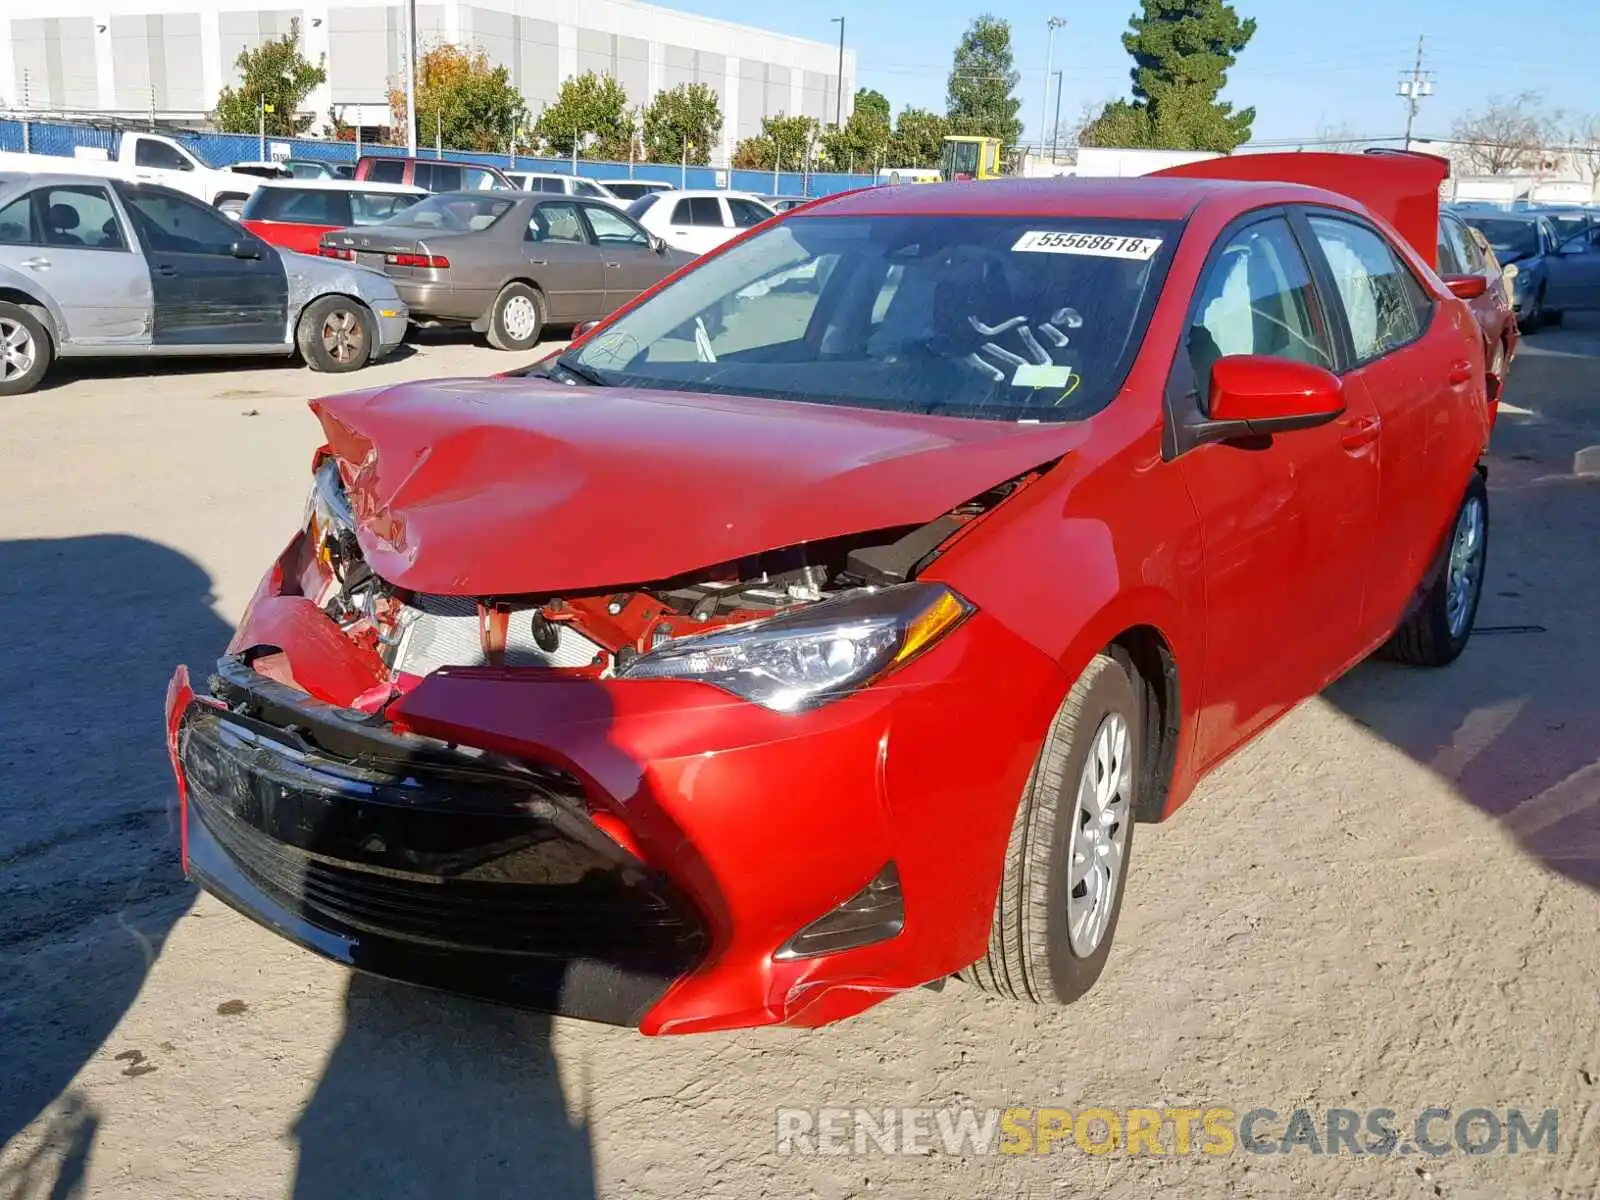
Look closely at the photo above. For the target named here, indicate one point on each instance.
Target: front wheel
(334, 335)
(1066, 863)
(25, 350)
(1436, 632)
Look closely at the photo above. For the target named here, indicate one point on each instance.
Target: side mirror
(658, 244)
(245, 250)
(1466, 287)
(585, 329)
(1255, 395)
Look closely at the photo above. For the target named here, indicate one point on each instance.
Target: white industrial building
(126, 57)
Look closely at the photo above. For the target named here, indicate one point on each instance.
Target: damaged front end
(667, 803)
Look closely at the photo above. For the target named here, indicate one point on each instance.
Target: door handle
(1460, 371)
(167, 272)
(538, 262)
(36, 264)
(1360, 432)
(614, 266)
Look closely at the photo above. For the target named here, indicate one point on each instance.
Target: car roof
(344, 185)
(1140, 197)
(689, 193)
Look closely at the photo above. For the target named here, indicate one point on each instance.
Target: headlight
(329, 519)
(803, 658)
(1510, 273)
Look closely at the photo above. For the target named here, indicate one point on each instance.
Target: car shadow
(1514, 724)
(66, 372)
(90, 883)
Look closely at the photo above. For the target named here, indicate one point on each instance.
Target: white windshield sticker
(1041, 375)
(1096, 245)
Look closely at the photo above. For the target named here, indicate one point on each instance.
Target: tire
(1034, 953)
(1536, 314)
(25, 350)
(516, 319)
(1555, 316)
(335, 335)
(1437, 631)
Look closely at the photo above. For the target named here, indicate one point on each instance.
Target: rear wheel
(25, 350)
(516, 320)
(334, 335)
(1066, 863)
(1435, 634)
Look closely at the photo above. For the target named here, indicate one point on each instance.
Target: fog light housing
(874, 914)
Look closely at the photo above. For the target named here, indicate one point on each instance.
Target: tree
(978, 97)
(1337, 139)
(462, 101)
(784, 143)
(861, 143)
(278, 74)
(1182, 50)
(689, 115)
(918, 139)
(1506, 135)
(1583, 149)
(592, 112)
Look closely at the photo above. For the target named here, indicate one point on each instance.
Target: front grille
(442, 631)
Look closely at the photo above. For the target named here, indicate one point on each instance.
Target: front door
(1574, 272)
(215, 283)
(73, 242)
(565, 264)
(1288, 521)
(631, 264)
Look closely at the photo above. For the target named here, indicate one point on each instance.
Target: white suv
(698, 221)
(564, 185)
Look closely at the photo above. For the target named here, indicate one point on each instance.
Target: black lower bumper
(419, 865)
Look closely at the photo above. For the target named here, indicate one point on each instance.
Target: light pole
(838, 111)
(1055, 129)
(411, 77)
(1053, 24)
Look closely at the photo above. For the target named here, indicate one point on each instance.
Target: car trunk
(373, 247)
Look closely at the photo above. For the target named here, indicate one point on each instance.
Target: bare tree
(1337, 139)
(1583, 149)
(1508, 134)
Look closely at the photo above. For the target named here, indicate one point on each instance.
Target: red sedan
(821, 624)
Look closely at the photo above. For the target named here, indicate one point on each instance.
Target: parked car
(698, 221)
(1574, 272)
(564, 185)
(1523, 242)
(1567, 219)
(765, 654)
(784, 203)
(145, 158)
(261, 169)
(1468, 266)
(508, 264)
(296, 213)
(629, 190)
(317, 168)
(430, 174)
(106, 268)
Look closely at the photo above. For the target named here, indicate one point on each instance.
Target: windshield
(453, 211)
(1007, 318)
(1510, 239)
(960, 160)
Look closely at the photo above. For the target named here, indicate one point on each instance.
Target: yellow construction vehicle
(970, 158)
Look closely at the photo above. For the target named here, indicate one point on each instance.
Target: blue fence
(220, 149)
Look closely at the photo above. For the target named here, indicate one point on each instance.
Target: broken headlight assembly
(329, 520)
(803, 658)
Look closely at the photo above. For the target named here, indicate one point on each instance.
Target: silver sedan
(104, 267)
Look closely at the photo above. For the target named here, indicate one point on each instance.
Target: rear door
(73, 242)
(1288, 523)
(564, 262)
(1574, 272)
(631, 265)
(214, 283)
(697, 223)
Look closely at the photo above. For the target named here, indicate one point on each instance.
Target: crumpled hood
(510, 486)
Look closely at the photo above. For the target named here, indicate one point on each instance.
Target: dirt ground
(1391, 901)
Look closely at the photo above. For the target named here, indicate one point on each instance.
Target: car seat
(59, 222)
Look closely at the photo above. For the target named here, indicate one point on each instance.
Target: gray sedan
(103, 267)
(508, 264)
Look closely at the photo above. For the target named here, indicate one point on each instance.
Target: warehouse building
(125, 58)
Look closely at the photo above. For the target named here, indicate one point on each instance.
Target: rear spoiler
(1401, 186)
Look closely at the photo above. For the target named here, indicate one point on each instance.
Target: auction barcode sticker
(1097, 245)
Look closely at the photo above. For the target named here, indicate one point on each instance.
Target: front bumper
(393, 320)
(411, 861)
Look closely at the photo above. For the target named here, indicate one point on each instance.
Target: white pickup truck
(150, 158)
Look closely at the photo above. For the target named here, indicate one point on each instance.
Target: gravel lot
(1391, 901)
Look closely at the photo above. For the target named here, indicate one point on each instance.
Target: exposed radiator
(442, 631)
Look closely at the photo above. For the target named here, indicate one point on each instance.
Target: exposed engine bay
(600, 633)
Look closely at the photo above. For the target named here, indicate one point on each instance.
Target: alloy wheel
(1099, 835)
(17, 350)
(343, 335)
(1466, 565)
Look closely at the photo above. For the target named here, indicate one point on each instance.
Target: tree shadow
(1514, 724)
(90, 882)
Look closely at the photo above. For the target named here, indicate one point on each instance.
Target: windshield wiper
(573, 367)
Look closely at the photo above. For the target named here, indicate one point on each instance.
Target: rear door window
(1383, 303)
(387, 170)
(369, 208)
(698, 210)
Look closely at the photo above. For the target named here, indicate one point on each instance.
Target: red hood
(510, 486)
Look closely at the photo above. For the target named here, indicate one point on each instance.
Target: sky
(1312, 66)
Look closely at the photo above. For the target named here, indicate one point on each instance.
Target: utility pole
(1414, 87)
(1053, 24)
(411, 77)
(1055, 130)
(838, 110)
